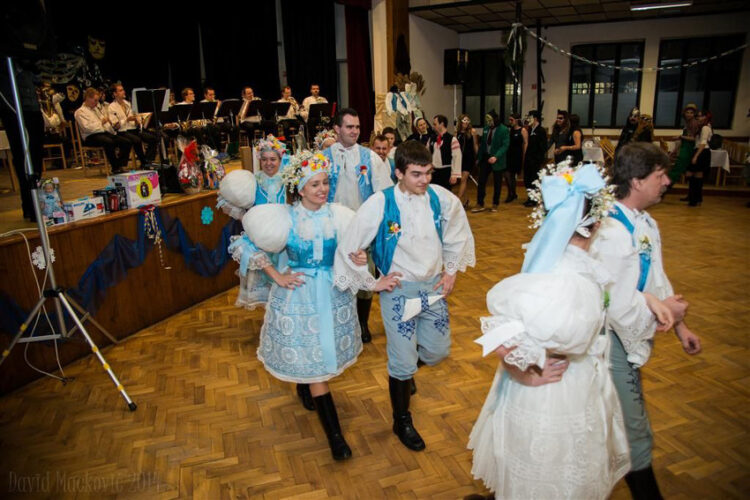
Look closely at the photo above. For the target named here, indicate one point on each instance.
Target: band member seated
(52, 114)
(97, 131)
(212, 127)
(130, 127)
(313, 98)
(247, 122)
(289, 121)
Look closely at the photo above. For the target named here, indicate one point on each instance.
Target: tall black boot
(363, 311)
(642, 484)
(402, 424)
(330, 421)
(303, 391)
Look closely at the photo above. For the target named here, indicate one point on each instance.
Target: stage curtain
(310, 47)
(359, 63)
(239, 48)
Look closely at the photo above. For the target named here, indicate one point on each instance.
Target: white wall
(557, 67)
(427, 43)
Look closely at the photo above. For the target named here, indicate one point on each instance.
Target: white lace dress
(559, 440)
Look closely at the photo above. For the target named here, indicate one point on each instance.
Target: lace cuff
(353, 282)
(247, 254)
(232, 211)
(459, 262)
(500, 331)
(637, 338)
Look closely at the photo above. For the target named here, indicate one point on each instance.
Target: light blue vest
(364, 180)
(389, 231)
(645, 259)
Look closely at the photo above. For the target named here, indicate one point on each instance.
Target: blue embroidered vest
(645, 258)
(389, 231)
(364, 179)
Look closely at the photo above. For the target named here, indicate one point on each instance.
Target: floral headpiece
(560, 193)
(271, 143)
(323, 136)
(302, 167)
(601, 201)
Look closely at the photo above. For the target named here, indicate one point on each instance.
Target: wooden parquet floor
(212, 423)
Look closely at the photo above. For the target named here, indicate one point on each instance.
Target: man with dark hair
(446, 154)
(129, 126)
(356, 173)
(536, 153)
(420, 236)
(491, 157)
(628, 244)
(313, 98)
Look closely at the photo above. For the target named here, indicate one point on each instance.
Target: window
(712, 85)
(603, 97)
(487, 87)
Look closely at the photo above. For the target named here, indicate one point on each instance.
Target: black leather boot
(363, 311)
(642, 484)
(402, 424)
(303, 391)
(330, 420)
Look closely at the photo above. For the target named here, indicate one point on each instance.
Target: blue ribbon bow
(564, 203)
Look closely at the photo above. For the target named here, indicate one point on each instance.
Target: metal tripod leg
(24, 326)
(86, 316)
(131, 405)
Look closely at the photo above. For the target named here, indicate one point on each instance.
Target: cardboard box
(141, 187)
(115, 198)
(84, 208)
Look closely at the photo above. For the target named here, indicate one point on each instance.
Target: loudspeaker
(455, 62)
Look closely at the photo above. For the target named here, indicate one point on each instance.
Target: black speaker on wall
(455, 62)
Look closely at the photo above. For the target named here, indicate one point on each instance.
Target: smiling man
(419, 235)
(356, 173)
(628, 244)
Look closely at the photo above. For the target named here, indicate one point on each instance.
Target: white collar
(407, 196)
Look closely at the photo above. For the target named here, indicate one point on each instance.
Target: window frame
(615, 83)
(475, 53)
(712, 40)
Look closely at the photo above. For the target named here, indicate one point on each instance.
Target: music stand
(153, 101)
(181, 112)
(207, 110)
(229, 108)
(320, 113)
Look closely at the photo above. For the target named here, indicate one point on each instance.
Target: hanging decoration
(152, 231)
(652, 69)
(207, 216)
(37, 257)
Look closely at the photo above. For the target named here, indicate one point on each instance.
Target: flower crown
(601, 202)
(302, 166)
(271, 143)
(321, 137)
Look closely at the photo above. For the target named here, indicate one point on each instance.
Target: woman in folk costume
(310, 332)
(552, 426)
(239, 191)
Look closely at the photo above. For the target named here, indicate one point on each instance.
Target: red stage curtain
(359, 62)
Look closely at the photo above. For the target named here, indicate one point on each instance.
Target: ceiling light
(652, 6)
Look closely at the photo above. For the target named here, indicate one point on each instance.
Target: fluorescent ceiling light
(652, 6)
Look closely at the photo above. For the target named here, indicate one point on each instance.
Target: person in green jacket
(491, 157)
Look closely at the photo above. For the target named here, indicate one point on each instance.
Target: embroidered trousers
(426, 336)
(627, 380)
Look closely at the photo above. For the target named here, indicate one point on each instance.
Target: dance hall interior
(251, 250)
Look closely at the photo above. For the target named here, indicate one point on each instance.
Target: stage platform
(142, 296)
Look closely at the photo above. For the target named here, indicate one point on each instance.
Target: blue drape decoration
(122, 254)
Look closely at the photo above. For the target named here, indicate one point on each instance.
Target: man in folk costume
(446, 154)
(628, 244)
(421, 237)
(356, 173)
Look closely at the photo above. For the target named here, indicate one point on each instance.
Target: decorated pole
(539, 75)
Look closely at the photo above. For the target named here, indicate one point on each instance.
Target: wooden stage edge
(144, 296)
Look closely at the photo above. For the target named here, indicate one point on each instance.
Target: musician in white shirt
(98, 131)
(286, 96)
(313, 98)
(129, 126)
